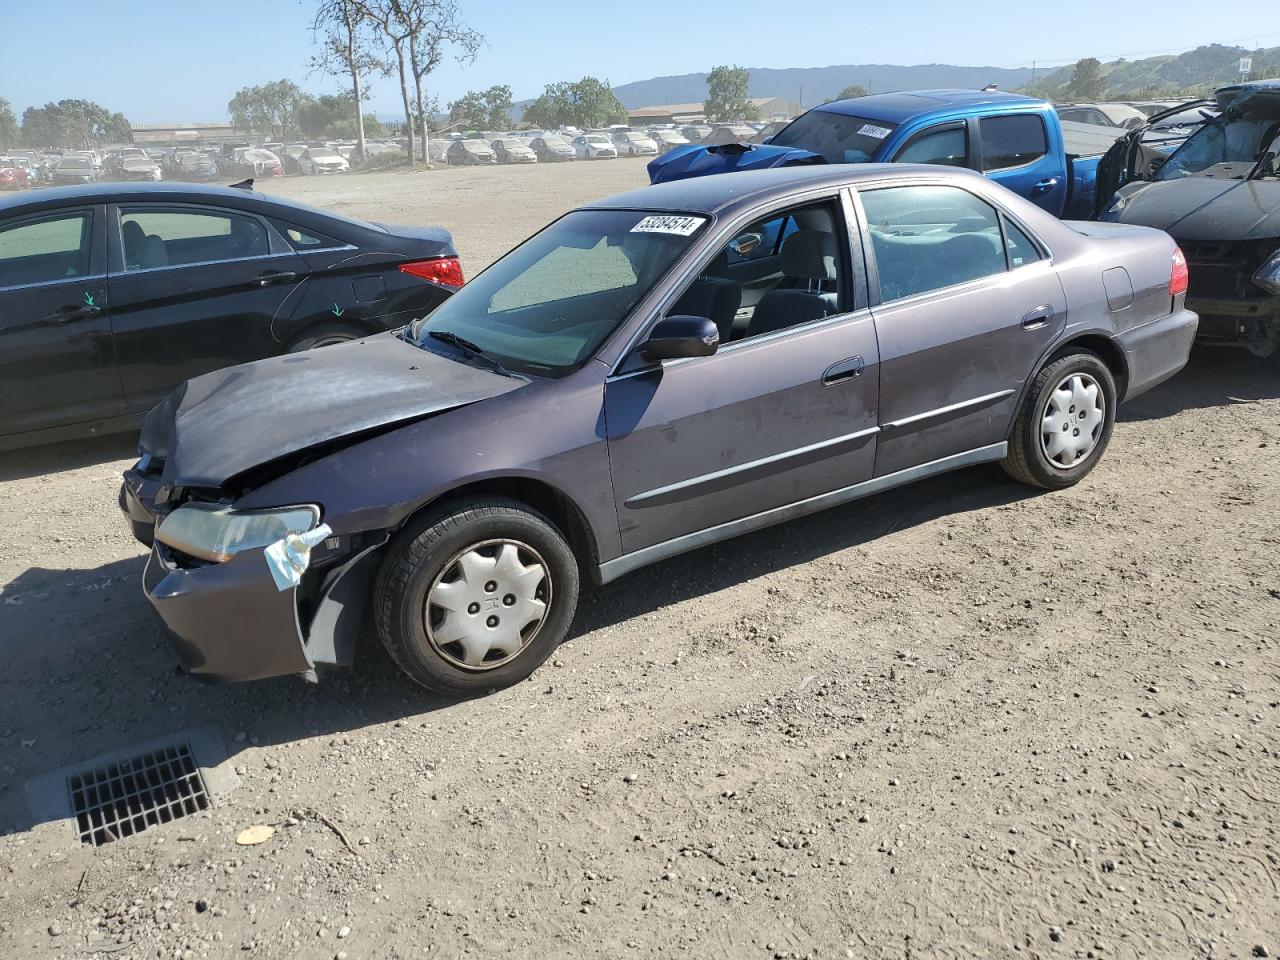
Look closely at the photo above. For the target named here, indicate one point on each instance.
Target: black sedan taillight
(446, 270)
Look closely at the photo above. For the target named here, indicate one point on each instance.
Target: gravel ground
(959, 720)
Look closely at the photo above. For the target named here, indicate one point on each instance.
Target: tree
(10, 132)
(852, 92)
(483, 109)
(415, 35)
(439, 26)
(74, 123)
(342, 29)
(587, 103)
(271, 108)
(1087, 83)
(727, 95)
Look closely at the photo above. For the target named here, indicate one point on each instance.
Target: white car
(668, 139)
(632, 144)
(594, 146)
(322, 160)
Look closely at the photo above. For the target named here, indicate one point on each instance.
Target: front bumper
(1155, 351)
(229, 621)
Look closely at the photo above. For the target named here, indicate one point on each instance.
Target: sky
(182, 60)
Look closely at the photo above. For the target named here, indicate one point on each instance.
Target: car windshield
(555, 141)
(838, 137)
(1238, 136)
(318, 154)
(546, 307)
(597, 138)
(74, 164)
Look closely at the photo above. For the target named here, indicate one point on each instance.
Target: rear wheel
(323, 335)
(475, 595)
(1065, 422)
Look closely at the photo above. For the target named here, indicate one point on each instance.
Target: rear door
(1015, 153)
(194, 288)
(57, 366)
(965, 302)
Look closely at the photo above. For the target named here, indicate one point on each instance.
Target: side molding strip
(612, 569)
(779, 461)
(946, 411)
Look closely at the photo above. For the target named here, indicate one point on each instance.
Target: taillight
(446, 270)
(1178, 278)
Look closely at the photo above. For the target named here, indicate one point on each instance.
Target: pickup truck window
(947, 145)
(838, 137)
(927, 238)
(1011, 141)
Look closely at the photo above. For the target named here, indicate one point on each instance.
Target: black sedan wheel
(475, 595)
(322, 336)
(1065, 422)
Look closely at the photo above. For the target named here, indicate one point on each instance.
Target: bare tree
(437, 27)
(344, 49)
(388, 17)
(418, 33)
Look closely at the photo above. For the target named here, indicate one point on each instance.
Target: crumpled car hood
(219, 425)
(1203, 208)
(699, 161)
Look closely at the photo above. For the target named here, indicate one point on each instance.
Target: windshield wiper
(471, 349)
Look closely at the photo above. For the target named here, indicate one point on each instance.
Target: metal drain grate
(120, 799)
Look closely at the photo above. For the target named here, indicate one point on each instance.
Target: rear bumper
(1237, 322)
(1155, 351)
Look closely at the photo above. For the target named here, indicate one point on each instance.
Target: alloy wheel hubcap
(487, 604)
(1072, 422)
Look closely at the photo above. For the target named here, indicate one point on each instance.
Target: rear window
(1012, 141)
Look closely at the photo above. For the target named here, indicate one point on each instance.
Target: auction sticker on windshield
(871, 130)
(678, 226)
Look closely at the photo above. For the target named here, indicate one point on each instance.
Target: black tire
(323, 335)
(1027, 460)
(425, 550)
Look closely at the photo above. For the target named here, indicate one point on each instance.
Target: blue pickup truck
(1017, 141)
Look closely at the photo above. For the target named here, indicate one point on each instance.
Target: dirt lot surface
(959, 720)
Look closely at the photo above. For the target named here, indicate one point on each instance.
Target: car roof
(55, 197)
(898, 107)
(727, 191)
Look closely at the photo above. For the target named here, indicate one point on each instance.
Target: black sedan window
(164, 238)
(54, 248)
(547, 306)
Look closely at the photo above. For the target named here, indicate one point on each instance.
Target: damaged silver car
(1218, 195)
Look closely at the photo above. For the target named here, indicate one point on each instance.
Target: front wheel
(475, 595)
(1065, 422)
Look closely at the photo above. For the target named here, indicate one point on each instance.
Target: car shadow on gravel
(54, 458)
(1213, 377)
(797, 542)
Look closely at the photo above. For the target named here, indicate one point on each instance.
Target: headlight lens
(1267, 276)
(216, 532)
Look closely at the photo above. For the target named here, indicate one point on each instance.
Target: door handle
(843, 370)
(1034, 319)
(74, 312)
(276, 276)
(1044, 186)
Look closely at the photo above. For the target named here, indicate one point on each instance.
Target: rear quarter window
(1012, 141)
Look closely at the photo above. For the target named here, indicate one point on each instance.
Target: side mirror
(746, 243)
(676, 337)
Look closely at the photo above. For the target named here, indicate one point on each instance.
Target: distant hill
(813, 85)
(1192, 73)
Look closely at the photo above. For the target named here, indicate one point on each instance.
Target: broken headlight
(215, 532)
(1267, 276)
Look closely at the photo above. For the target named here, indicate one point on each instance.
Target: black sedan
(113, 294)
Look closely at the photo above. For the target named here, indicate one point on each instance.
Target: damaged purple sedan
(647, 375)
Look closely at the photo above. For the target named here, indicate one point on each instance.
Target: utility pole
(1033, 75)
